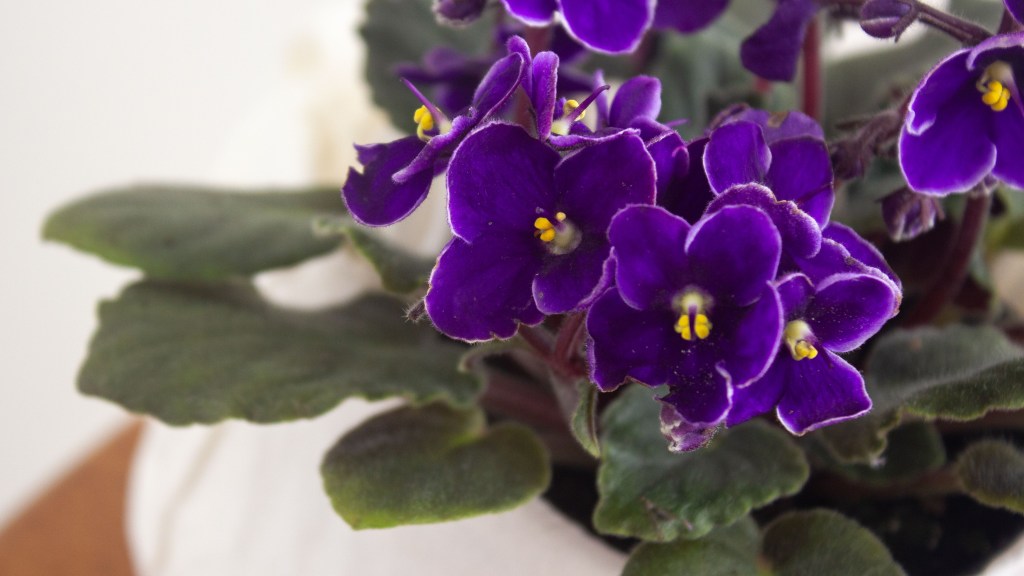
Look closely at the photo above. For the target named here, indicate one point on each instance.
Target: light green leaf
(188, 354)
(432, 464)
(197, 233)
(953, 373)
(584, 418)
(992, 472)
(650, 493)
(727, 551)
(823, 542)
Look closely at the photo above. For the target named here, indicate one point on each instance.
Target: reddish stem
(812, 70)
(952, 277)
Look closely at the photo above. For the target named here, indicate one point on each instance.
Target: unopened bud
(908, 214)
(887, 18)
(458, 12)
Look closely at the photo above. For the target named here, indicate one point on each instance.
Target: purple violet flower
(617, 26)
(772, 50)
(693, 308)
(795, 169)
(965, 120)
(530, 228)
(396, 176)
(808, 384)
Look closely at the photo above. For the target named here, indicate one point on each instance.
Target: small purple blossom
(530, 228)
(796, 169)
(965, 120)
(772, 50)
(617, 26)
(908, 214)
(693, 308)
(808, 384)
(396, 176)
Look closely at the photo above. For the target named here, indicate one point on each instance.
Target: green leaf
(913, 449)
(992, 472)
(953, 373)
(400, 271)
(650, 493)
(197, 233)
(188, 354)
(402, 32)
(584, 418)
(432, 464)
(824, 542)
(727, 551)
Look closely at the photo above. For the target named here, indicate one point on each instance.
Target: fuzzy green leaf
(400, 271)
(195, 232)
(584, 418)
(913, 449)
(952, 373)
(432, 464)
(992, 472)
(824, 542)
(650, 493)
(727, 551)
(189, 354)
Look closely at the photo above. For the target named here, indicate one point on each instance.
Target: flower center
(800, 340)
(561, 125)
(693, 307)
(424, 122)
(560, 236)
(993, 86)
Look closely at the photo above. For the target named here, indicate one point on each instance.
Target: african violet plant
(768, 335)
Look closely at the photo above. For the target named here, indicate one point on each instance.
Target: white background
(94, 94)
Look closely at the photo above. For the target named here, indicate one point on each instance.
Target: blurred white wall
(94, 94)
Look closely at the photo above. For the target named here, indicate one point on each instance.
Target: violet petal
(820, 391)
(801, 171)
(613, 26)
(483, 290)
(847, 309)
(499, 179)
(736, 154)
(649, 244)
(373, 198)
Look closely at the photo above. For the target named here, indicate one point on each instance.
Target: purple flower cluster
(709, 267)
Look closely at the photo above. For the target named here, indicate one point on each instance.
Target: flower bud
(887, 18)
(458, 12)
(908, 214)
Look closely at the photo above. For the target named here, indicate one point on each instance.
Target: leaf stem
(952, 277)
(963, 30)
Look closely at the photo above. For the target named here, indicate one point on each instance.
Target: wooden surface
(76, 528)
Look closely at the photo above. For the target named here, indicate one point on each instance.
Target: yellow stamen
(693, 319)
(571, 105)
(993, 86)
(424, 122)
(797, 336)
(545, 230)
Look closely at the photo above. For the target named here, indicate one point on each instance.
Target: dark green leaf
(400, 271)
(197, 233)
(823, 542)
(913, 449)
(403, 31)
(203, 354)
(432, 464)
(648, 492)
(584, 418)
(859, 441)
(953, 373)
(992, 472)
(727, 551)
